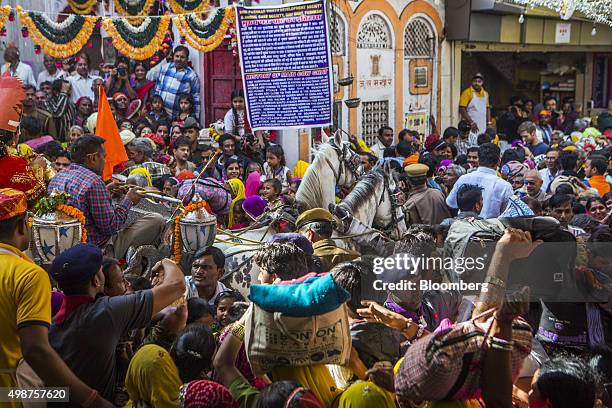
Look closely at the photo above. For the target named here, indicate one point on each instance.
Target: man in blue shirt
(528, 132)
(495, 191)
(178, 78)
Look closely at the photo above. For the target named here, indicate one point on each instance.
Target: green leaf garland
(205, 35)
(129, 8)
(60, 40)
(188, 6)
(138, 42)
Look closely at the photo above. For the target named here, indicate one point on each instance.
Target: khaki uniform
(426, 206)
(47, 123)
(331, 255)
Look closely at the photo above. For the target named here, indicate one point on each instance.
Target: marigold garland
(74, 213)
(188, 6)
(4, 13)
(191, 207)
(126, 8)
(205, 35)
(82, 6)
(136, 42)
(59, 40)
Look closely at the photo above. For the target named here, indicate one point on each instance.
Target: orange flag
(106, 128)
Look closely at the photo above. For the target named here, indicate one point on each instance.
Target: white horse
(335, 163)
(372, 201)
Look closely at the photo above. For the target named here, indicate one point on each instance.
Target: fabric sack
(447, 365)
(273, 339)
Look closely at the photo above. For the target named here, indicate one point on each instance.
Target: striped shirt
(171, 83)
(63, 111)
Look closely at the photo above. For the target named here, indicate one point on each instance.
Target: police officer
(424, 205)
(316, 225)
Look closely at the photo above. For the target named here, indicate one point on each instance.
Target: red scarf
(70, 304)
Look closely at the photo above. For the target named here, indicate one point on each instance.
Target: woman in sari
(142, 86)
(237, 188)
(253, 184)
(84, 108)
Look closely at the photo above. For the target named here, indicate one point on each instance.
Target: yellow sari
(152, 377)
(238, 193)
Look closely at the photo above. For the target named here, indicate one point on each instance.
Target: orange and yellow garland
(74, 213)
(68, 49)
(191, 207)
(4, 13)
(199, 42)
(135, 52)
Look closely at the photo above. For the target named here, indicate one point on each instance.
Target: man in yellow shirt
(25, 309)
(474, 106)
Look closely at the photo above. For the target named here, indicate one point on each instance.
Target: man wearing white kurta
(474, 106)
(17, 68)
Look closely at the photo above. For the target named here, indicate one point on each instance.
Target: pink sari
(253, 184)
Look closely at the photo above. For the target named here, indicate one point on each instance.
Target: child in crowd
(275, 167)
(199, 311)
(163, 130)
(223, 303)
(235, 118)
(186, 106)
(271, 192)
(158, 112)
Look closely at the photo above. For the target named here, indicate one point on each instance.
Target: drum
(53, 233)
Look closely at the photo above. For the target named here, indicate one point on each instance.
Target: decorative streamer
(82, 6)
(59, 40)
(130, 8)
(600, 11)
(137, 42)
(205, 35)
(188, 6)
(4, 14)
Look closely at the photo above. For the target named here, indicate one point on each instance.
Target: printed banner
(286, 65)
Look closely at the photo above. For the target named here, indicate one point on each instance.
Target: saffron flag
(106, 128)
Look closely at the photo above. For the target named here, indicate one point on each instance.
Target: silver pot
(54, 233)
(198, 230)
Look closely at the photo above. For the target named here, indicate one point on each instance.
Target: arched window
(337, 32)
(374, 33)
(419, 39)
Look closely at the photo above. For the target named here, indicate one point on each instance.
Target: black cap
(77, 264)
(478, 75)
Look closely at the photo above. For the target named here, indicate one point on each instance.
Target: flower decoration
(82, 6)
(74, 213)
(191, 207)
(139, 42)
(188, 6)
(133, 8)
(5, 12)
(205, 35)
(597, 10)
(58, 202)
(59, 40)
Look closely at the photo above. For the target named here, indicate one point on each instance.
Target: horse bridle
(394, 204)
(348, 162)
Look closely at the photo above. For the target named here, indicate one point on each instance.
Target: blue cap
(298, 240)
(77, 264)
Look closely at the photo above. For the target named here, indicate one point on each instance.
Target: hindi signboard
(286, 65)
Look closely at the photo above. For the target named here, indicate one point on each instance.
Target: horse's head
(349, 162)
(389, 214)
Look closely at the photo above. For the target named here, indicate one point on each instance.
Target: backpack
(471, 238)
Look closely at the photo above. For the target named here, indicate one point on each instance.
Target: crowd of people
(184, 337)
